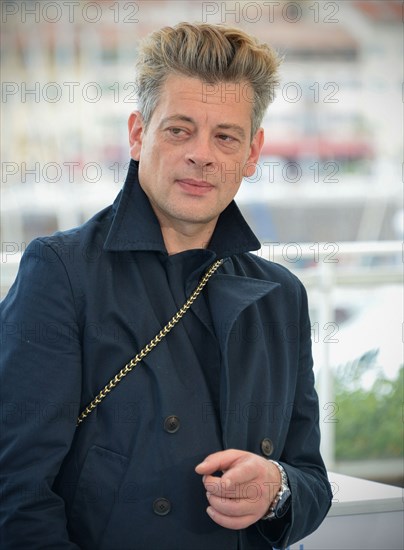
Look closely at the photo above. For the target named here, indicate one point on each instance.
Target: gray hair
(212, 53)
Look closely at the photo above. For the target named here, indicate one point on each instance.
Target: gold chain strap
(152, 344)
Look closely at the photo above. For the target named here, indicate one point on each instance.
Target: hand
(244, 493)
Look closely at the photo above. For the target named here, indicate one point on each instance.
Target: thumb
(220, 461)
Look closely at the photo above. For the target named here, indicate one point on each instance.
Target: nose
(200, 152)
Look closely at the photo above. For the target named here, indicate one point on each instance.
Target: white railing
(336, 265)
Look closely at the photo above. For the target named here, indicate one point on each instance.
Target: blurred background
(326, 200)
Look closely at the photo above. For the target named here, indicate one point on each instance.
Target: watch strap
(283, 493)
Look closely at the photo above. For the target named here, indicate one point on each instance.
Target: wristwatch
(280, 504)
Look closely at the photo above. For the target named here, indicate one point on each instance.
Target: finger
(245, 470)
(250, 491)
(236, 507)
(221, 460)
(225, 487)
(230, 522)
(214, 485)
(251, 470)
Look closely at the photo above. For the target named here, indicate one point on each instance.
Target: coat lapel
(229, 295)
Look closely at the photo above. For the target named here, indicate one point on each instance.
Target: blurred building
(331, 166)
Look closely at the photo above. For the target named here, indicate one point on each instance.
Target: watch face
(282, 506)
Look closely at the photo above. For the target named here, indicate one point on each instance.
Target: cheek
(234, 170)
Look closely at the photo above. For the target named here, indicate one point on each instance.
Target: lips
(195, 187)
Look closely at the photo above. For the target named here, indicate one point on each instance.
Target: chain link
(152, 344)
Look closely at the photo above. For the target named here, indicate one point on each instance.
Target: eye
(176, 131)
(227, 142)
(226, 138)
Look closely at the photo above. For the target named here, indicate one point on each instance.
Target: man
(212, 441)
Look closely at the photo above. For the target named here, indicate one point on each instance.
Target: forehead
(232, 99)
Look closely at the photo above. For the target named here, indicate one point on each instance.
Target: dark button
(172, 424)
(267, 447)
(161, 506)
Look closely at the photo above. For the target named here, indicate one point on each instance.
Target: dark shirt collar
(135, 226)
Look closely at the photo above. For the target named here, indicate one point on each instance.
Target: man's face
(196, 149)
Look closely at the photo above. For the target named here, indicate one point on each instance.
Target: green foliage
(370, 415)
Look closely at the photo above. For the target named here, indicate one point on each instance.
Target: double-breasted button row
(161, 506)
(172, 424)
(267, 447)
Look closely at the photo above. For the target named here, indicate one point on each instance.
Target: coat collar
(135, 226)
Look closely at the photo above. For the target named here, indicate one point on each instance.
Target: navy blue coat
(235, 373)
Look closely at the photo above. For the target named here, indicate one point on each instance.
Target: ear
(255, 150)
(136, 129)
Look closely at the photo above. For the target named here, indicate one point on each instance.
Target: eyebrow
(223, 126)
(174, 118)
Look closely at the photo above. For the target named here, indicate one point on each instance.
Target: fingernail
(208, 494)
(227, 483)
(210, 511)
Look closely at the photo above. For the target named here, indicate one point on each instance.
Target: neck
(179, 239)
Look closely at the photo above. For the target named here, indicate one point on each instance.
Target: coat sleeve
(301, 459)
(40, 386)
